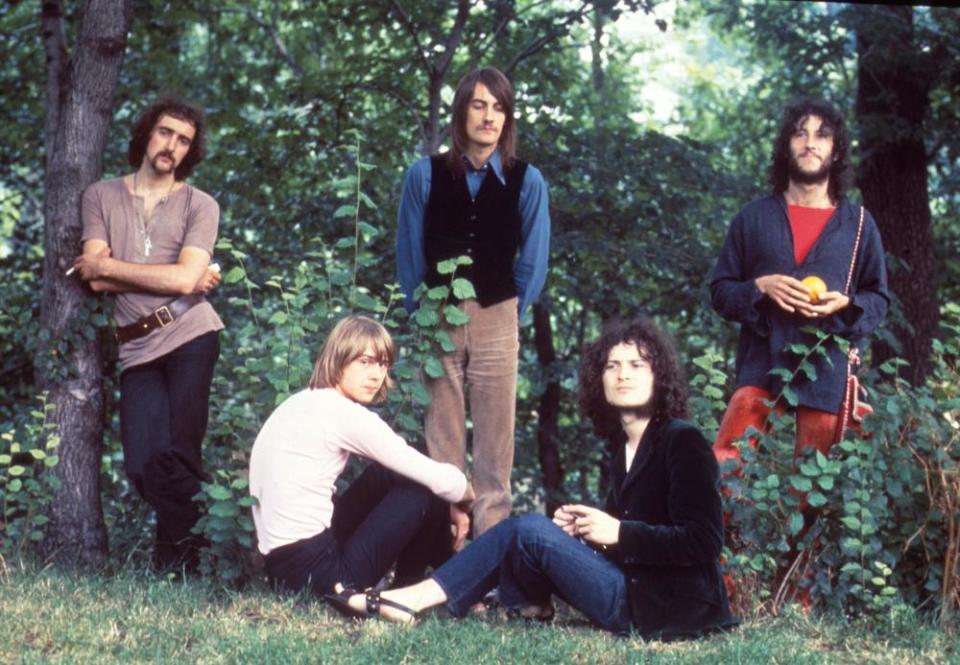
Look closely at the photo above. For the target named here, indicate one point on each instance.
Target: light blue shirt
(530, 268)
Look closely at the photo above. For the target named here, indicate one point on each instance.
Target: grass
(51, 616)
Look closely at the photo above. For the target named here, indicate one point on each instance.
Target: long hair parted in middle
(656, 347)
(347, 342)
(840, 169)
(500, 87)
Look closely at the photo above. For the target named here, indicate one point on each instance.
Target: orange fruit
(815, 286)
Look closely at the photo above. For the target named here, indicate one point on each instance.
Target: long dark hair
(180, 110)
(656, 346)
(500, 87)
(840, 169)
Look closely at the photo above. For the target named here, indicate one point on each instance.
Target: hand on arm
(190, 274)
(460, 517)
(591, 524)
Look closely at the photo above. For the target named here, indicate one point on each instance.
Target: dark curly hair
(656, 346)
(180, 110)
(840, 169)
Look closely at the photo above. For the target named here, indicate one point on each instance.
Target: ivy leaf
(801, 484)
(796, 523)
(433, 368)
(455, 316)
(816, 499)
(463, 288)
(426, 317)
(219, 493)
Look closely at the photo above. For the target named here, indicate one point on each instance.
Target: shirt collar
(495, 163)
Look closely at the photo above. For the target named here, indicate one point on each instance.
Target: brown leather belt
(158, 318)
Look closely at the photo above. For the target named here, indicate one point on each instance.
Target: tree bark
(548, 410)
(893, 96)
(68, 364)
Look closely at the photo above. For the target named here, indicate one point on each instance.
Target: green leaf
(851, 522)
(364, 301)
(825, 482)
(426, 317)
(463, 289)
(224, 509)
(219, 493)
(809, 469)
(433, 368)
(816, 499)
(234, 275)
(801, 484)
(446, 267)
(420, 394)
(15, 485)
(278, 318)
(455, 316)
(446, 343)
(37, 454)
(796, 523)
(345, 211)
(17, 470)
(438, 293)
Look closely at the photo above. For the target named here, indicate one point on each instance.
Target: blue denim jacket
(760, 242)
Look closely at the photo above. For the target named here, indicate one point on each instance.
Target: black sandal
(341, 603)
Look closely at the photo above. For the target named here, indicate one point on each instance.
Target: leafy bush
(873, 523)
(24, 487)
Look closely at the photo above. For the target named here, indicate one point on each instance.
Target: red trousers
(815, 428)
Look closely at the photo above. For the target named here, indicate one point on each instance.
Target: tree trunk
(893, 96)
(548, 410)
(68, 365)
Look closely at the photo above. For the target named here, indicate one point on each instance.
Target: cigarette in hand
(215, 267)
(70, 271)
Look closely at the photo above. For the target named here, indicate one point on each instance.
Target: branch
(272, 32)
(408, 24)
(454, 38)
(556, 32)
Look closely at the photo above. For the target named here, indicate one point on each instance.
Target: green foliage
(228, 527)
(871, 524)
(26, 455)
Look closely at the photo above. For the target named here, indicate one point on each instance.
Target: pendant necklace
(147, 243)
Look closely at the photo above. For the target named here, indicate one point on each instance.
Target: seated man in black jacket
(649, 560)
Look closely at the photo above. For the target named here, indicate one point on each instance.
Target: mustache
(164, 153)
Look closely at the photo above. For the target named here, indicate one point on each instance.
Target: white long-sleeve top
(302, 449)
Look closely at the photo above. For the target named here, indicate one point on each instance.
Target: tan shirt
(188, 217)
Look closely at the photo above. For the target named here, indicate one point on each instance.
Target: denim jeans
(163, 418)
(383, 518)
(529, 558)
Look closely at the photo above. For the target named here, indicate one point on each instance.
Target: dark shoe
(341, 603)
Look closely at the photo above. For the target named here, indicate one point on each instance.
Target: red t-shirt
(807, 225)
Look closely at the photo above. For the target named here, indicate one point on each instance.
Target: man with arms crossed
(148, 238)
(477, 200)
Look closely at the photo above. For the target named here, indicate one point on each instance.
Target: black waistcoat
(487, 229)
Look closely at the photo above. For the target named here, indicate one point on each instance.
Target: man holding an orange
(802, 258)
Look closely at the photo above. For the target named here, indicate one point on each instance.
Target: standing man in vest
(148, 238)
(805, 227)
(480, 201)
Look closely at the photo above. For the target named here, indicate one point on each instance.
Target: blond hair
(347, 341)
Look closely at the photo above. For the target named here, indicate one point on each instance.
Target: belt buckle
(163, 316)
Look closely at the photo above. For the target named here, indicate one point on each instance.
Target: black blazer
(671, 532)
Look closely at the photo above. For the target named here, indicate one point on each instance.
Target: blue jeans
(163, 419)
(530, 558)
